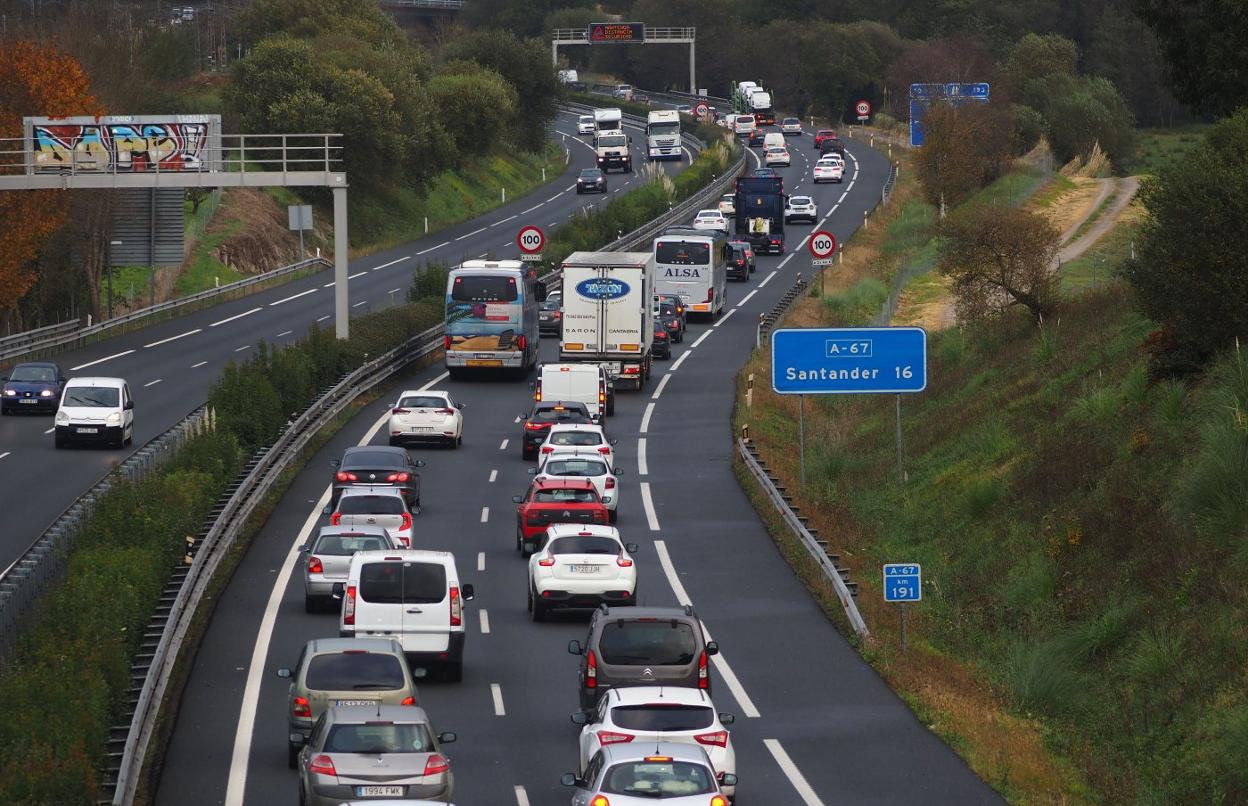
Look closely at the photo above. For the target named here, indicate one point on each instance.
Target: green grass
(1158, 147)
(1095, 267)
(204, 270)
(1051, 191)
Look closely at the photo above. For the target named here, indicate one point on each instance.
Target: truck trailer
(608, 318)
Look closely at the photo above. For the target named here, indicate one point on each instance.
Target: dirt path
(1126, 190)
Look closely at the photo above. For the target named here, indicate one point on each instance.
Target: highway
(815, 724)
(171, 365)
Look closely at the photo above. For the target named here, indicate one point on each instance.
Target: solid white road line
(658, 390)
(699, 340)
(152, 383)
(648, 503)
(357, 274)
(552, 198)
(485, 622)
(236, 316)
(503, 446)
(100, 360)
(676, 364)
(470, 234)
(175, 338)
(794, 775)
(493, 476)
(197, 366)
(505, 220)
(531, 209)
(725, 318)
(642, 469)
(522, 797)
(746, 298)
(767, 279)
(645, 418)
(787, 258)
(430, 249)
(50, 430)
(294, 296)
(485, 514)
(323, 318)
(496, 691)
(328, 285)
(244, 347)
(391, 263)
(6, 453)
(480, 560)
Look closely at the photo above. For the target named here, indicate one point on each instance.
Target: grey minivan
(642, 646)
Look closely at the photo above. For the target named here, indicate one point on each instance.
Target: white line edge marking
(485, 622)
(493, 476)
(391, 263)
(152, 383)
(49, 431)
(522, 797)
(746, 298)
(236, 316)
(283, 333)
(725, 318)
(175, 338)
(240, 758)
(496, 691)
(790, 770)
(294, 296)
(648, 502)
(531, 209)
(480, 560)
(699, 340)
(642, 468)
(197, 366)
(787, 258)
(645, 418)
(430, 249)
(244, 347)
(505, 220)
(6, 453)
(767, 280)
(358, 304)
(658, 390)
(470, 234)
(100, 360)
(503, 446)
(485, 514)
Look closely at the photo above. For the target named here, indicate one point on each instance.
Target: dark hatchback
(378, 466)
(678, 305)
(550, 316)
(35, 386)
(738, 263)
(662, 346)
(591, 180)
(673, 323)
(545, 414)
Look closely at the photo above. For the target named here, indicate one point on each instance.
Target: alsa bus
(491, 316)
(692, 264)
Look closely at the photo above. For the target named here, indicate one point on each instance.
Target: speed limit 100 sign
(701, 109)
(863, 108)
(531, 240)
(822, 245)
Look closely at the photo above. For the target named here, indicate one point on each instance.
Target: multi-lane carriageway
(815, 724)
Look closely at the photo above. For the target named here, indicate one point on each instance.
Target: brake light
(348, 606)
(546, 562)
(342, 475)
(446, 342)
(660, 334)
(610, 482)
(457, 608)
(591, 670)
(604, 449)
(534, 426)
(522, 341)
(719, 738)
(710, 295)
(606, 737)
(437, 764)
(323, 765)
(623, 562)
(335, 519)
(558, 314)
(408, 701)
(547, 449)
(704, 677)
(399, 411)
(602, 394)
(406, 523)
(398, 477)
(302, 708)
(632, 370)
(315, 566)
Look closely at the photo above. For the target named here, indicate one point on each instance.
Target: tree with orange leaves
(34, 80)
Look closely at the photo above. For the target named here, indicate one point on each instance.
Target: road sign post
(903, 582)
(863, 108)
(531, 241)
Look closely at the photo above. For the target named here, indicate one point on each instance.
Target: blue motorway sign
(923, 95)
(903, 582)
(849, 361)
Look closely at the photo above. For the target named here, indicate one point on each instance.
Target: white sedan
(580, 565)
(428, 416)
(712, 220)
(828, 171)
(659, 714)
(585, 124)
(585, 463)
(777, 156)
(576, 435)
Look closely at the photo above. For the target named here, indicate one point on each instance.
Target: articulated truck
(663, 135)
(749, 98)
(760, 213)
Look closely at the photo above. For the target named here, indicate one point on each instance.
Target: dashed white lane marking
(485, 622)
(49, 431)
(430, 249)
(391, 263)
(790, 770)
(358, 304)
(642, 468)
(394, 291)
(658, 390)
(175, 338)
(328, 285)
(100, 360)
(552, 198)
(236, 316)
(294, 296)
(6, 453)
(645, 418)
(197, 366)
(746, 298)
(647, 503)
(503, 446)
(323, 318)
(244, 347)
(531, 209)
(505, 220)
(676, 364)
(522, 797)
(554, 223)
(493, 476)
(152, 383)
(767, 280)
(700, 339)
(357, 274)
(480, 560)
(485, 514)
(496, 691)
(516, 420)
(283, 333)
(470, 234)
(787, 258)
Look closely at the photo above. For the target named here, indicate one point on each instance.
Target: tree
(1081, 111)
(1191, 269)
(477, 101)
(1124, 50)
(965, 147)
(998, 258)
(1203, 43)
(1036, 56)
(961, 58)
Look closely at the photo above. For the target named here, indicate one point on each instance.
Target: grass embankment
(1157, 147)
(1082, 636)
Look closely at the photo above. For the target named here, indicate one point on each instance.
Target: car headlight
(10, 393)
(114, 419)
(46, 393)
(62, 417)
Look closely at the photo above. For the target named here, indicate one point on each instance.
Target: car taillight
(546, 562)
(444, 411)
(446, 342)
(324, 765)
(547, 449)
(335, 519)
(437, 764)
(606, 737)
(558, 315)
(601, 516)
(301, 708)
(348, 606)
(457, 608)
(406, 523)
(315, 566)
(719, 738)
(632, 370)
(408, 701)
(534, 426)
(399, 477)
(704, 677)
(604, 450)
(591, 670)
(400, 411)
(623, 562)
(610, 482)
(660, 334)
(344, 476)
(522, 342)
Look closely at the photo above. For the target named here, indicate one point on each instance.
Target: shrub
(429, 284)
(1045, 678)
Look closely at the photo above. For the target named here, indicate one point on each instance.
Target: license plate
(30, 401)
(380, 791)
(484, 362)
(584, 569)
(88, 430)
(356, 702)
(421, 428)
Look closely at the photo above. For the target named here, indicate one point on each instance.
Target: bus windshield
(679, 253)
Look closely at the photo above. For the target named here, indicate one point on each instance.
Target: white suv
(585, 463)
(827, 170)
(581, 566)
(712, 220)
(95, 410)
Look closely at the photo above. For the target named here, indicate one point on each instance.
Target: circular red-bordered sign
(822, 244)
(863, 108)
(531, 240)
(700, 110)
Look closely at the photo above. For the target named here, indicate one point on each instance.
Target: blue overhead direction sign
(903, 582)
(953, 93)
(849, 361)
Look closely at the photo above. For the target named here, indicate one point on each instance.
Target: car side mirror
(328, 510)
(632, 548)
(283, 673)
(393, 405)
(461, 406)
(448, 737)
(129, 405)
(728, 780)
(712, 648)
(524, 415)
(419, 463)
(469, 592)
(580, 718)
(618, 472)
(337, 590)
(574, 647)
(306, 547)
(612, 441)
(726, 718)
(335, 462)
(569, 779)
(519, 499)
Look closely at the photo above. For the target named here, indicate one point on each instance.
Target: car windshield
(583, 545)
(575, 438)
(586, 468)
(346, 545)
(591, 173)
(565, 496)
(586, 118)
(403, 583)
(791, 121)
(374, 459)
(32, 374)
(92, 396)
(802, 200)
(371, 505)
(550, 305)
(375, 738)
(423, 402)
(659, 779)
(658, 643)
(825, 133)
(468, 288)
(558, 416)
(658, 718)
(709, 215)
(355, 671)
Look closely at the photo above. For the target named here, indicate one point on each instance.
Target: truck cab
(760, 206)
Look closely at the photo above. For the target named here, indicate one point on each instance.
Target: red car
(551, 501)
(821, 135)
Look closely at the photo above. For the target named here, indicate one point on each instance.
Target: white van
(95, 410)
(773, 140)
(414, 597)
(743, 124)
(577, 383)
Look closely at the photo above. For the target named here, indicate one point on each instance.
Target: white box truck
(608, 315)
(663, 135)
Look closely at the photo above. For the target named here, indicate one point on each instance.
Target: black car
(35, 386)
(662, 347)
(550, 316)
(545, 414)
(738, 263)
(749, 252)
(673, 323)
(591, 180)
(377, 466)
(678, 304)
(832, 145)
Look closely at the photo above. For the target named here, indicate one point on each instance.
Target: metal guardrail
(44, 561)
(767, 321)
(24, 337)
(813, 545)
(81, 335)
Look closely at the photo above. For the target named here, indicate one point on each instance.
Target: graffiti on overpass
(119, 147)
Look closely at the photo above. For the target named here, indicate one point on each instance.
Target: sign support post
(903, 582)
(903, 626)
(901, 474)
(801, 439)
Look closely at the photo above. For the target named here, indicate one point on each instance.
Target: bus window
(484, 289)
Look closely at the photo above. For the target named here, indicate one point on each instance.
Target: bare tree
(999, 257)
(964, 149)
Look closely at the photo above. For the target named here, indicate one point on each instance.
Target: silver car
(639, 774)
(328, 558)
(387, 751)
